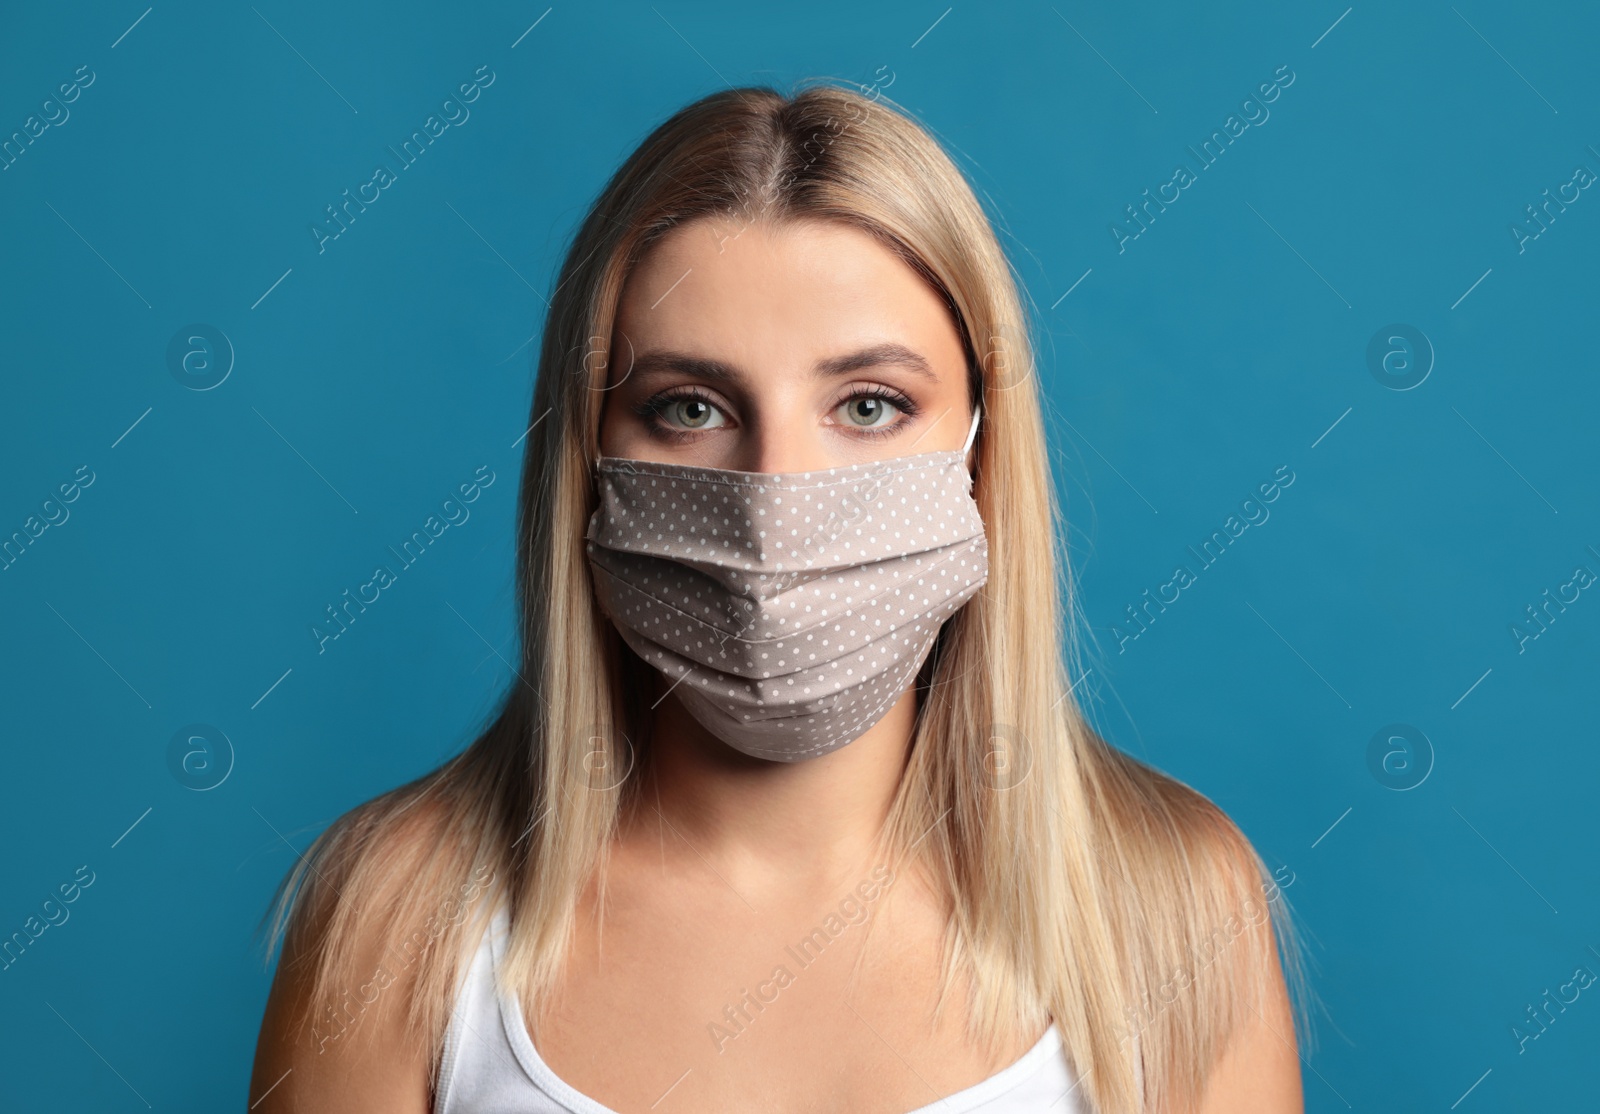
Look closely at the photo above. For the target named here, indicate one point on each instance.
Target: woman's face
(780, 348)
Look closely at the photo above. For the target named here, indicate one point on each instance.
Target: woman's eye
(868, 411)
(691, 413)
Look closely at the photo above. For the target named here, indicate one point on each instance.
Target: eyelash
(652, 408)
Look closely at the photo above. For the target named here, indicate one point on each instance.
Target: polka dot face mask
(788, 610)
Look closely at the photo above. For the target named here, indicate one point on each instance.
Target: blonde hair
(1083, 884)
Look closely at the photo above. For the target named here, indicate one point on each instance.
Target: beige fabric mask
(790, 610)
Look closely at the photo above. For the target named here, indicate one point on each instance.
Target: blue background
(1229, 339)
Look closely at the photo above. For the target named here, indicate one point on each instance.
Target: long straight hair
(1085, 887)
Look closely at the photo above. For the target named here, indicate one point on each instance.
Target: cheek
(611, 436)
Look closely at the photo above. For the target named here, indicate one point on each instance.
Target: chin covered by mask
(789, 610)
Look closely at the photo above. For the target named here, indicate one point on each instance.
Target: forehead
(794, 291)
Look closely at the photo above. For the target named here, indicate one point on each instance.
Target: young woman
(789, 806)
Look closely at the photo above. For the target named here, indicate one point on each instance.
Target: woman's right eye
(695, 413)
(688, 412)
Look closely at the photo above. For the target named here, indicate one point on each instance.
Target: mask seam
(714, 672)
(621, 547)
(966, 543)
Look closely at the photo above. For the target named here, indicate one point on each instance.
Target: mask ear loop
(972, 434)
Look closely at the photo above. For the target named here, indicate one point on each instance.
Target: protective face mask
(789, 610)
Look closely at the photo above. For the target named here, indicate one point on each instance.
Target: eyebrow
(877, 355)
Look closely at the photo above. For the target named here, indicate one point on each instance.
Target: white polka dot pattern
(791, 610)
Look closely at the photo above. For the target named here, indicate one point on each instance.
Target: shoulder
(1255, 1068)
(1171, 833)
(346, 1026)
(1204, 922)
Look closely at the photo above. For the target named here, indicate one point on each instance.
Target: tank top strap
(477, 1068)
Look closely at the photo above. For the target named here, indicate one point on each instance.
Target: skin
(727, 352)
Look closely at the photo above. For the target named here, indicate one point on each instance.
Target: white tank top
(489, 1064)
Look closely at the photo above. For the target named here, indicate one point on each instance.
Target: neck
(811, 819)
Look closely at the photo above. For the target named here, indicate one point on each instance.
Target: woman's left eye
(868, 411)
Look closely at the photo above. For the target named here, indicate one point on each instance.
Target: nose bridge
(780, 436)
(791, 448)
